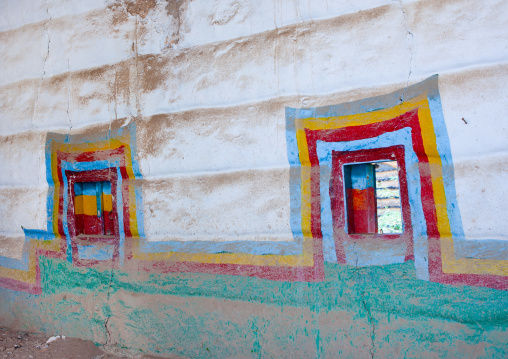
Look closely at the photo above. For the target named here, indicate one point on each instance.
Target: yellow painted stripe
(107, 202)
(469, 265)
(450, 264)
(335, 122)
(17, 274)
(78, 205)
(436, 169)
(132, 211)
(306, 201)
(304, 260)
(56, 193)
(87, 205)
(28, 276)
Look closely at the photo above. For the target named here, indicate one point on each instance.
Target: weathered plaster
(206, 86)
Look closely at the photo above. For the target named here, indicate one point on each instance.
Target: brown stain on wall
(111, 83)
(175, 8)
(26, 33)
(255, 179)
(19, 138)
(140, 7)
(154, 72)
(488, 167)
(474, 80)
(182, 66)
(100, 77)
(100, 127)
(166, 70)
(12, 246)
(349, 21)
(119, 15)
(154, 134)
(122, 79)
(22, 195)
(423, 7)
(196, 186)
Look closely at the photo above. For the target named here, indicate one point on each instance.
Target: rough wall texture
(222, 128)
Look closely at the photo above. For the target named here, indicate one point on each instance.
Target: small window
(93, 206)
(373, 198)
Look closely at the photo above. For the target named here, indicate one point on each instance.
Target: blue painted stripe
(78, 189)
(481, 248)
(90, 188)
(248, 247)
(88, 166)
(23, 262)
(79, 167)
(106, 187)
(47, 235)
(39, 234)
(139, 211)
(119, 211)
(400, 137)
(443, 147)
(362, 176)
(295, 215)
(97, 252)
(64, 217)
(14, 263)
(134, 149)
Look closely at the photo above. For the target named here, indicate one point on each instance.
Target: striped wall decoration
(95, 206)
(412, 120)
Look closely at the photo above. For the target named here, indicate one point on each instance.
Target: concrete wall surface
(223, 127)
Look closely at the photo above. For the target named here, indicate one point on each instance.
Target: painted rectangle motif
(95, 204)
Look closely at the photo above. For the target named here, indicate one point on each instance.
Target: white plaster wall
(17, 13)
(481, 194)
(219, 76)
(241, 205)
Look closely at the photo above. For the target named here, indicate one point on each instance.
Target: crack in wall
(372, 349)
(409, 39)
(136, 94)
(69, 95)
(46, 29)
(110, 314)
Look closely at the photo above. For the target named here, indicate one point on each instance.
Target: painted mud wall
(217, 126)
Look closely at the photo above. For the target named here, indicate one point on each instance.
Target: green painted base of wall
(356, 312)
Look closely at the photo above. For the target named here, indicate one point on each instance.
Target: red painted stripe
(362, 210)
(409, 119)
(337, 199)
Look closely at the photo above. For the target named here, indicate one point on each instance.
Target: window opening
(389, 212)
(373, 198)
(93, 208)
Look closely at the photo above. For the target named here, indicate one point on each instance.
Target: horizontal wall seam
(290, 98)
(182, 49)
(164, 176)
